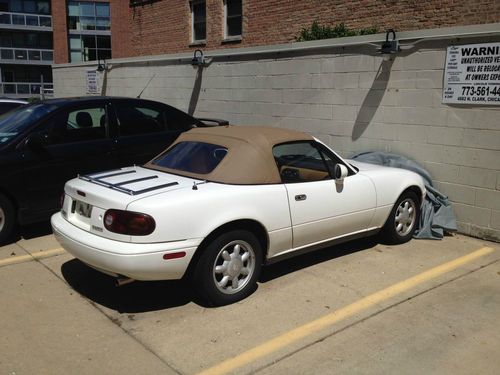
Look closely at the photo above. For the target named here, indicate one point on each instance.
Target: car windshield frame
(16, 122)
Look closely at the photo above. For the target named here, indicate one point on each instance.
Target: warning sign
(472, 74)
(92, 81)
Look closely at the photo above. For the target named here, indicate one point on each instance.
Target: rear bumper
(136, 261)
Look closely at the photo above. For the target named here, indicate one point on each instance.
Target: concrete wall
(351, 99)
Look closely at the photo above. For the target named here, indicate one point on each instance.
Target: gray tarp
(437, 215)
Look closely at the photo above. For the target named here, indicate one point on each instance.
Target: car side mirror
(38, 141)
(340, 172)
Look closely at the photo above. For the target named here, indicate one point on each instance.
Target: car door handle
(301, 197)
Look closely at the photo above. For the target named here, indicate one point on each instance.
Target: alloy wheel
(234, 266)
(405, 217)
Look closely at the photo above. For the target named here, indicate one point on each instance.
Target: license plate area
(81, 208)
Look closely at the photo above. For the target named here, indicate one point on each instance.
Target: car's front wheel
(228, 268)
(402, 222)
(7, 218)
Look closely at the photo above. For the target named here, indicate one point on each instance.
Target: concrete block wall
(352, 100)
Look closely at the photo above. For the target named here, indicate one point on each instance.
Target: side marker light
(169, 256)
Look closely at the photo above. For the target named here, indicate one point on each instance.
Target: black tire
(7, 219)
(219, 275)
(403, 219)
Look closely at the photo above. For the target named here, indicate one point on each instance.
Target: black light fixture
(198, 58)
(101, 67)
(389, 47)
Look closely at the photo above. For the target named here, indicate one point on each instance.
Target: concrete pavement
(59, 316)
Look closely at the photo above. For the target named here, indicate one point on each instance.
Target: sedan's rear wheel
(403, 219)
(228, 268)
(7, 218)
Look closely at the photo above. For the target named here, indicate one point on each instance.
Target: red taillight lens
(130, 223)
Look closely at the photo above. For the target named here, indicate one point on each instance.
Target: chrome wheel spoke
(226, 256)
(245, 271)
(236, 251)
(234, 282)
(245, 256)
(224, 281)
(221, 269)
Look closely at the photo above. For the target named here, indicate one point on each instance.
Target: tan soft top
(249, 159)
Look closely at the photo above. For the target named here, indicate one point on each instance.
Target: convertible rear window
(193, 157)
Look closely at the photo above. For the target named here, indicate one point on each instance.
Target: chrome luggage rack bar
(119, 185)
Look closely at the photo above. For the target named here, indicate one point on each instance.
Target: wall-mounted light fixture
(198, 58)
(389, 47)
(101, 67)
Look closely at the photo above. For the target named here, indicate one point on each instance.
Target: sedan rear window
(193, 157)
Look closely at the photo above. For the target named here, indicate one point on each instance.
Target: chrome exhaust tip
(121, 281)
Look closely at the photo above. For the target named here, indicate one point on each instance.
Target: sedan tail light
(130, 223)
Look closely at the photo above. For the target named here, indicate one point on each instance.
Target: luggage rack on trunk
(119, 185)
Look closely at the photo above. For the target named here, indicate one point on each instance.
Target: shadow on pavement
(29, 231)
(139, 296)
(297, 263)
(144, 296)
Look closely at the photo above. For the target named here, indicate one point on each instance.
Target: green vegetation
(316, 31)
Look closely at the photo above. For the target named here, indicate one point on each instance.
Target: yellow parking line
(34, 256)
(307, 329)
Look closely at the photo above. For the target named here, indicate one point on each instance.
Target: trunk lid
(88, 197)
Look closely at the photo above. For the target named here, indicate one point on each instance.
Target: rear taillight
(130, 223)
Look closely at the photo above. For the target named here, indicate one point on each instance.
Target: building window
(84, 15)
(89, 29)
(89, 47)
(199, 21)
(25, 6)
(134, 3)
(22, 39)
(233, 16)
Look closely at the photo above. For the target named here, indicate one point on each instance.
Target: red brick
(164, 26)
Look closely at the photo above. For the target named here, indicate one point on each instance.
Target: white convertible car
(221, 202)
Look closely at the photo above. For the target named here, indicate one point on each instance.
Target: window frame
(322, 151)
(98, 26)
(100, 53)
(49, 125)
(193, 34)
(228, 37)
(117, 105)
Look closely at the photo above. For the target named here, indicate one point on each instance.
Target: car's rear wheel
(228, 268)
(402, 222)
(7, 218)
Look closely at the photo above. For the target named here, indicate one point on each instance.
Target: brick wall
(350, 99)
(60, 33)
(121, 33)
(164, 26)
